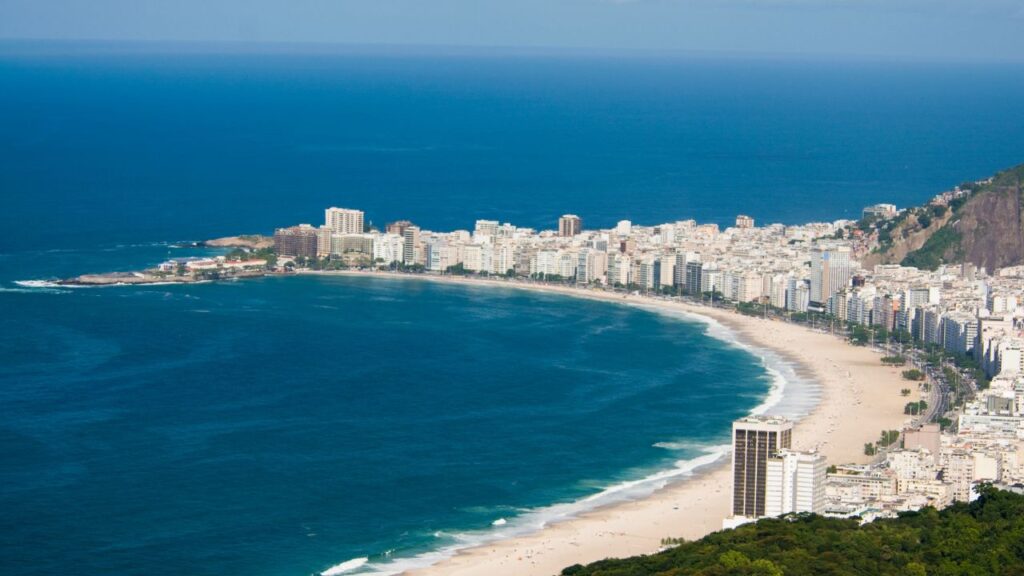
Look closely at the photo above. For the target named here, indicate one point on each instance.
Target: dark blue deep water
(282, 426)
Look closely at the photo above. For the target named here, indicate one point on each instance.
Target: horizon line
(180, 46)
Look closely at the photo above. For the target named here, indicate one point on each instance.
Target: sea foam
(345, 567)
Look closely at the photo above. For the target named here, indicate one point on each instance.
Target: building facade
(344, 220)
(569, 225)
(755, 440)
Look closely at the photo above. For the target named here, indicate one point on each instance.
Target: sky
(940, 30)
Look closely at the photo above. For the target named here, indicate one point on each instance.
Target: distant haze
(912, 29)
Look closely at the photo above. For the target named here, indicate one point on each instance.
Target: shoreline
(854, 398)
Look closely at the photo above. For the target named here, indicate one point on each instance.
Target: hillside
(984, 230)
(981, 538)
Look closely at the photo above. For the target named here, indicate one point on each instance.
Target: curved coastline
(825, 384)
(792, 393)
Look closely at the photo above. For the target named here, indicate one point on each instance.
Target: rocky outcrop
(985, 230)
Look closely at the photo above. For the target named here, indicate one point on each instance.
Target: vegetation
(931, 255)
(913, 374)
(894, 360)
(888, 437)
(915, 408)
(905, 392)
(981, 538)
(750, 308)
(869, 449)
(859, 336)
(458, 269)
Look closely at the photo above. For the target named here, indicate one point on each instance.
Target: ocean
(290, 425)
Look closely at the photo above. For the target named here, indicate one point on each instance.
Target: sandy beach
(859, 399)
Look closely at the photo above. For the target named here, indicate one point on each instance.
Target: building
(323, 241)
(880, 211)
(927, 436)
(352, 243)
(485, 230)
(795, 483)
(569, 225)
(830, 272)
(296, 241)
(692, 278)
(959, 471)
(411, 241)
(743, 221)
(755, 440)
(344, 220)
(398, 227)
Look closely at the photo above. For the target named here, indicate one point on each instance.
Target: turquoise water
(284, 426)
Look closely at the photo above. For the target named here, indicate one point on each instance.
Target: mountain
(984, 228)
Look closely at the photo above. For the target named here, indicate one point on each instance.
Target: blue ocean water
(126, 144)
(282, 426)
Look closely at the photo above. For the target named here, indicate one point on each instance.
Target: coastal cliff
(989, 225)
(983, 228)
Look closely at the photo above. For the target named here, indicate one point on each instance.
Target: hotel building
(755, 440)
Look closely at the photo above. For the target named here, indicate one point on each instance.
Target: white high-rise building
(830, 272)
(344, 220)
(794, 482)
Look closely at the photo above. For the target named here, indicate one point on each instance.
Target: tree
(915, 408)
(980, 538)
(888, 437)
(913, 374)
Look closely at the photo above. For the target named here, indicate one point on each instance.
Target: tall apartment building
(411, 237)
(323, 242)
(694, 273)
(569, 225)
(755, 440)
(301, 240)
(344, 220)
(744, 221)
(830, 272)
(795, 483)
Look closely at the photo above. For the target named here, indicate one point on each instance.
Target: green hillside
(985, 229)
(985, 537)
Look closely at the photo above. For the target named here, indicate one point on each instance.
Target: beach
(859, 397)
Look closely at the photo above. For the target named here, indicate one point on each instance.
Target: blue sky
(912, 29)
